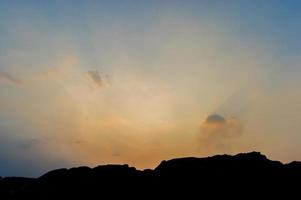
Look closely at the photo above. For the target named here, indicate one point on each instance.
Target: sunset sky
(137, 81)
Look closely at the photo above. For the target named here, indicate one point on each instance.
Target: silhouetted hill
(221, 175)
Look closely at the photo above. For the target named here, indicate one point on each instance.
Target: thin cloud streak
(10, 78)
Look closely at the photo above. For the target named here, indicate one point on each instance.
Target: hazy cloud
(215, 119)
(219, 134)
(9, 78)
(30, 143)
(97, 80)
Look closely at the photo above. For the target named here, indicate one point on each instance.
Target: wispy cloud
(9, 78)
(219, 134)
(97, 80)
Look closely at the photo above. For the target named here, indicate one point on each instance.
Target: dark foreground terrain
(249, 175)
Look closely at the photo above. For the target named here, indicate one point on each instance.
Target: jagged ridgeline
(251, 173)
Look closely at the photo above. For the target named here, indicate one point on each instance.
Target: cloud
(30, 143)
(220, 134)
(96, 80)
(9, 78)
(215, 119)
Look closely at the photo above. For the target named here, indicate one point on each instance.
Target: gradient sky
(96, 82)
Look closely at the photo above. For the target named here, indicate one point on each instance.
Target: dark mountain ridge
(245, 172)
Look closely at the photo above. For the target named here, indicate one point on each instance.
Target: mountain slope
(247, 172)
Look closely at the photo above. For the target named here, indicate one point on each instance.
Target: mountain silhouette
(249, 174)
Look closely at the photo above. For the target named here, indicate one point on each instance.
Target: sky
(137, 82)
